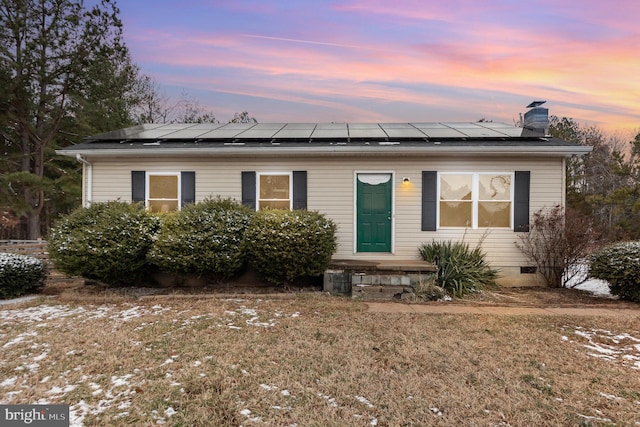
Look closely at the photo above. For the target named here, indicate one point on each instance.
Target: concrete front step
(376, 280)
(382, 293)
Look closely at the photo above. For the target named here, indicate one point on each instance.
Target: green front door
(373, 207)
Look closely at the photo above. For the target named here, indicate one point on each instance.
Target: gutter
(554, 151)
(87, 170)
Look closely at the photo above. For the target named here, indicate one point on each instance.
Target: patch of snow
(20, 338)
(329, 399)
(17, 300)
(610, 396)
(120, 381)
(587, 417)
(597, 287)
(41, 357)
(618, 351)
(248, 311)
(364, 401)
(8, 382)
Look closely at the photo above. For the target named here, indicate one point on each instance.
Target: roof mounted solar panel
(402, 130)
(445, 130)
(296, 131)
(366, 130)
(229, 130)
(262, 131)
(330, 130)
(193, 132)
(158, 133)
(127, 133)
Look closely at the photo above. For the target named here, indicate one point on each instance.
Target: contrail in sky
(255, 36)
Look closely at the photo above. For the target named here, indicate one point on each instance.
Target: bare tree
(558, 242)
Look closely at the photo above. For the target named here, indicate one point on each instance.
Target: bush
(619, 265)
(557, 242)
(20, 274)
(107, 242)
(461, 270)
(286, 245)
(204, 239)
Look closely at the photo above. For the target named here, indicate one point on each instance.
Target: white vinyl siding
(330, 190)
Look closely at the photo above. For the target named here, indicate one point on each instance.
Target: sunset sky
(394, 61)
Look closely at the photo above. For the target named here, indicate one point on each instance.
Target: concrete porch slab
(404, 266)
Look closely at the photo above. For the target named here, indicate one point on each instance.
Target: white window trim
(475, 193)
(148, 176)
(260, 174)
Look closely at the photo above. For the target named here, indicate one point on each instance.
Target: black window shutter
(300, 190)
(187, 187)
(249, 189)
(521, 201)
(429, 200)
(138, 183)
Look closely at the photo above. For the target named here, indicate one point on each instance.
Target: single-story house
(388, 186)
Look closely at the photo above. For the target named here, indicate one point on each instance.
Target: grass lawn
(313, 360)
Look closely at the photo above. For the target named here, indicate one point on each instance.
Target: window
(475, 200)
(164, 193)
(274, 191)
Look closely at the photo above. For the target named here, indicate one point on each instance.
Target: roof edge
(436, 150)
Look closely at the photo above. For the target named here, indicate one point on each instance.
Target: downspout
(87, 170)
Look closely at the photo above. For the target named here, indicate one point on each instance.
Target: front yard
(313, 360)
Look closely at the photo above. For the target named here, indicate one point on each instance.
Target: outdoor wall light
(406, 179)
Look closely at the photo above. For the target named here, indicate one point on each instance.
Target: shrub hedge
(20, 274)
(107, 241)
(118, 243)
(205, 238)
(619, 264)
(461, 270)
(287, 245)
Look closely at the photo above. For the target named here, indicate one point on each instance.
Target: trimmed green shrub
(461, 270)
(20, 274)
(286, 245)
(205, 238)
(107, 242)
(619, 264)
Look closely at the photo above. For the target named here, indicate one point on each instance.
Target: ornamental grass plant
(461, 269)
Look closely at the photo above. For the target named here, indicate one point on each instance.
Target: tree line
(603, 185)
(66, 73)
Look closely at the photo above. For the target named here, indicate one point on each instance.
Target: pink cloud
(333, 70)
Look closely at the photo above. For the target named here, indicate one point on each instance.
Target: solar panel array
(311, 131)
